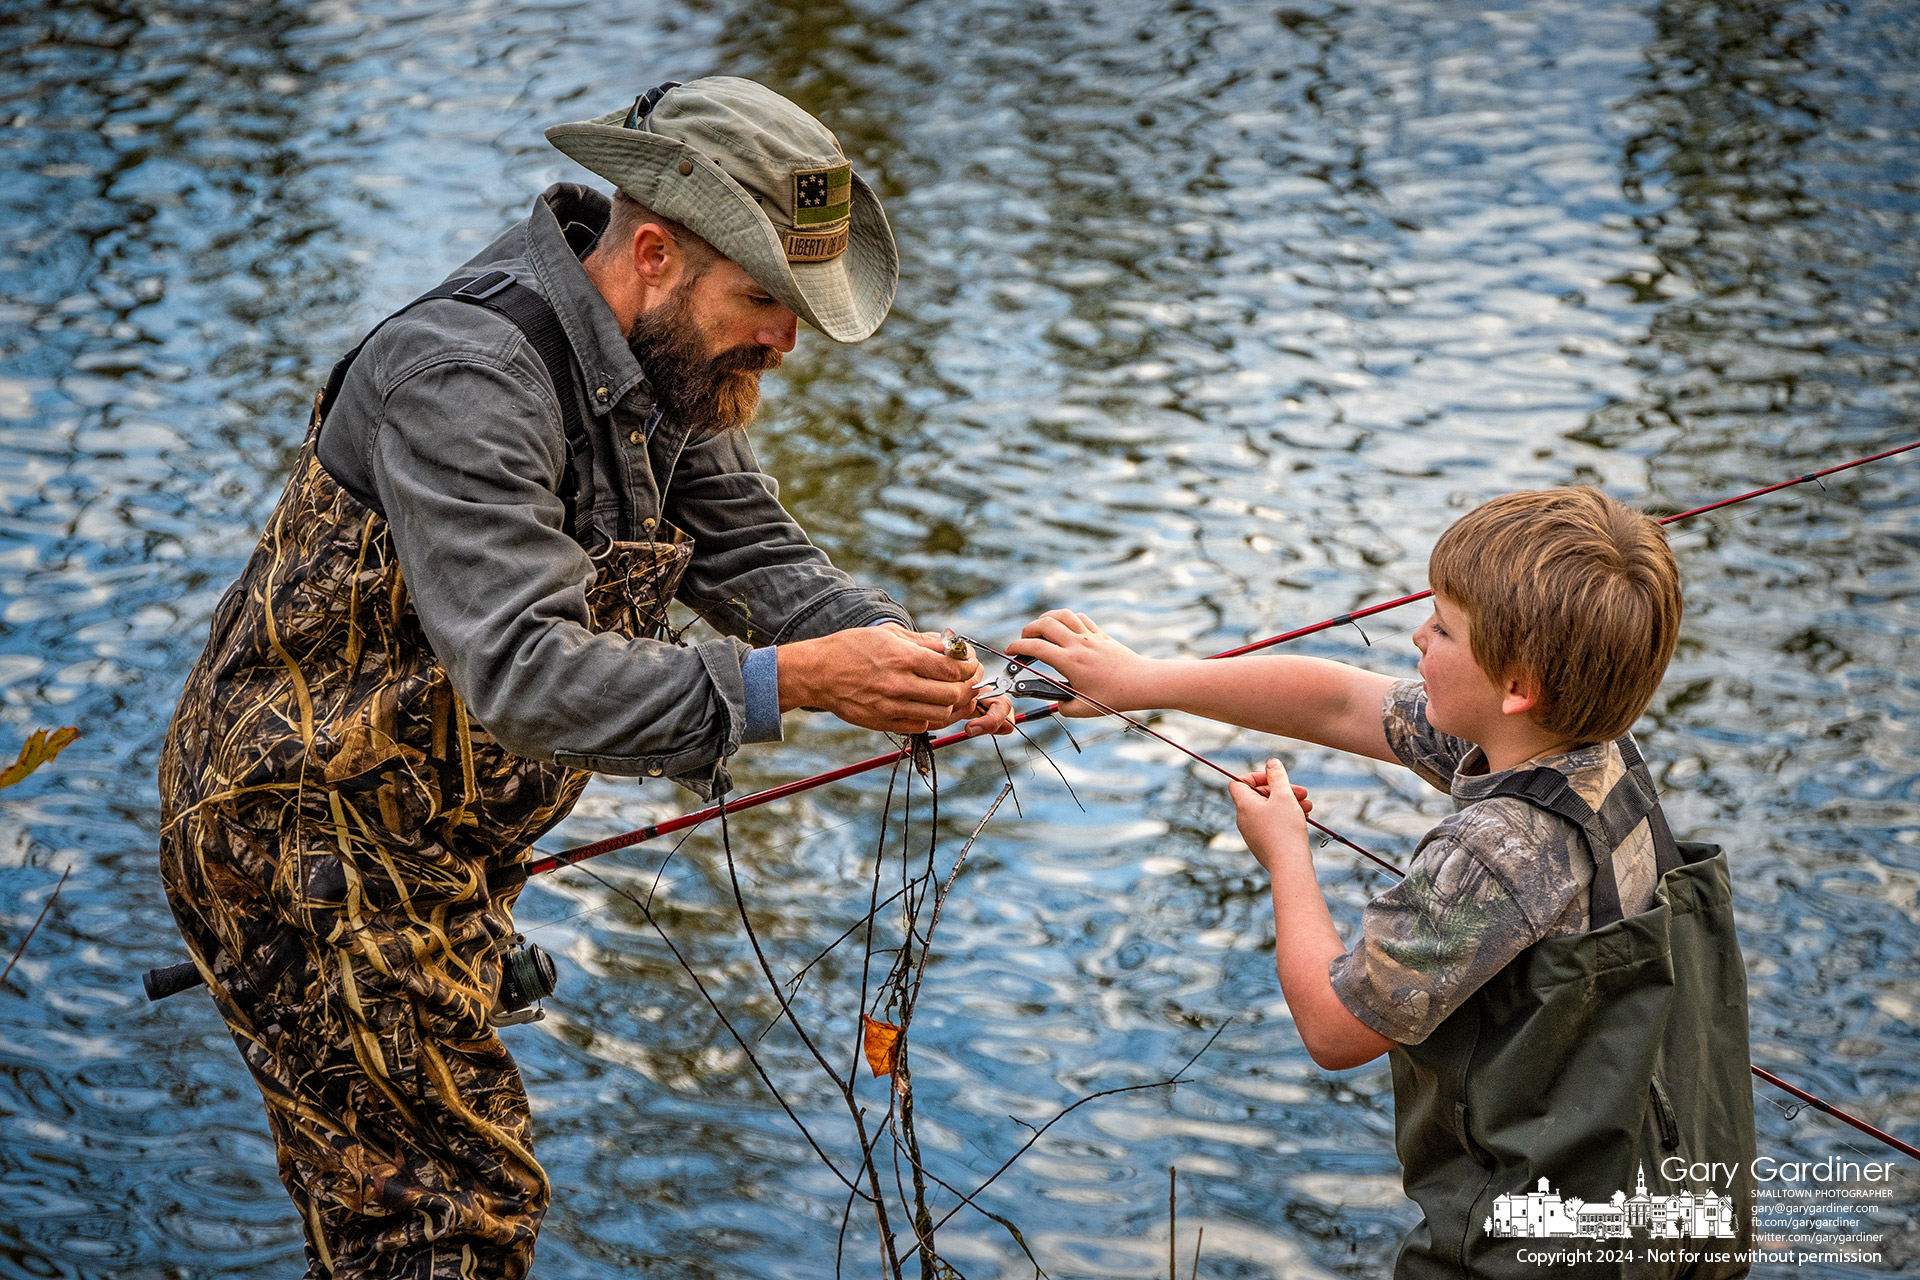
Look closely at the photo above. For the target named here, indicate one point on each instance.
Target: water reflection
(1212, 316)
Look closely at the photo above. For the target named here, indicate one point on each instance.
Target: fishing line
(569, 856)
(170, 982)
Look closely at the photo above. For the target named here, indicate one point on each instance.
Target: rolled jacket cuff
(760, 676)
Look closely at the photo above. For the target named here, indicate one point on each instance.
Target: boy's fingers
(1061, 616)
(1043, 650)
(1047, 627)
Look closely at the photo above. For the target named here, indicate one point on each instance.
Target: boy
(1557, 982)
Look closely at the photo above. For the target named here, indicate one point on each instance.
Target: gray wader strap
(1632, 800)
(500, 293)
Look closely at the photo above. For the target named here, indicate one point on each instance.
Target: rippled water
(1212, 316)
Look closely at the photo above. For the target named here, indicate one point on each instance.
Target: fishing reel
(527, 976)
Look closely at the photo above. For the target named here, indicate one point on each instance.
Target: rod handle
(171, 979)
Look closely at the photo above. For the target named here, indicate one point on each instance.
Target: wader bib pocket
(1580, 1071)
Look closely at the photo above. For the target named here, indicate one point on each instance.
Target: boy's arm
(1312, 699)
(1305, 941)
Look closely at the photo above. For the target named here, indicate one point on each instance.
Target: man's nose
(782, 333)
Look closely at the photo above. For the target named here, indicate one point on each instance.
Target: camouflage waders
(341, 848)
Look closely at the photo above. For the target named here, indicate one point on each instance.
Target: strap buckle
(484, 287)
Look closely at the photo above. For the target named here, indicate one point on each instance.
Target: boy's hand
(1271, 813)
(1091, 660)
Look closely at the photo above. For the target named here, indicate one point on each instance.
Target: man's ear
(657, 260)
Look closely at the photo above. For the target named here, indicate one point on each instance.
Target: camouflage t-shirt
(1491, 880)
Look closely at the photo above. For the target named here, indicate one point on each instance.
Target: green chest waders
(1587, 1065)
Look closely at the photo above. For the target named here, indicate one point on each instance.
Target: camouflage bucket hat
(764, 183)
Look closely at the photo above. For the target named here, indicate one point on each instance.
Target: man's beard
(708, 393)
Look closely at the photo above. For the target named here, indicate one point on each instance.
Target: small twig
(793, 983)
(1049, 759)
(745, 1048)
(940, 900)
(1197, 1240)
(766, 967)
(1006, 769)
(1038, 1271)
(51, 899)
(1173, 1223)
(662, 869)
(1177, 1077)
(840, 1248)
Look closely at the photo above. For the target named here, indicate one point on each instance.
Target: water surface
(1212, 316)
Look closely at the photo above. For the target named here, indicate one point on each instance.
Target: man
(456, 614)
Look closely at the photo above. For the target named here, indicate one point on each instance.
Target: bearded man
(457, 613)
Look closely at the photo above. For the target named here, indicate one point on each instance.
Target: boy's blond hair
(1572, 593)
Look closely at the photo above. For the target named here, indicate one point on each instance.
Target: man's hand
(885, 678)
(1272, 813)
(1091, 660)
(994, 716)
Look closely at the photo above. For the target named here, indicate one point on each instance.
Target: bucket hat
(764, 183)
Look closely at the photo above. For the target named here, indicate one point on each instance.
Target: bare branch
(940, 900)
(766, 969)
(51, 898)
(1178, 1077)
(745, 1048)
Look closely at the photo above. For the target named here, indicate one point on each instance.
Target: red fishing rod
(1348, 619)
(567, 857)
(173, 978)
(1768, 1076)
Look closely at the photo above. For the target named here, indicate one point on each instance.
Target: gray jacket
(447, 425)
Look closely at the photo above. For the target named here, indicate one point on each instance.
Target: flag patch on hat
(822, 196)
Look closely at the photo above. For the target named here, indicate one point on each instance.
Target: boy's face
(1462, 700)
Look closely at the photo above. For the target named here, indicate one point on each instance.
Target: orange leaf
(881, 1040)
(39, 748)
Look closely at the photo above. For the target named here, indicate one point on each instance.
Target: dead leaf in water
(881, 1040)
(41, 747)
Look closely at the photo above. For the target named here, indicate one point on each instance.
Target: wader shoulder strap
(1666, 851)
(534, 317)
(1632, 800)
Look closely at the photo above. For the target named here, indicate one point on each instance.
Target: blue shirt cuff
(760, 673)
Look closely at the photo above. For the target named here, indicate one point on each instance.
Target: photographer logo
(1542, 1214)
